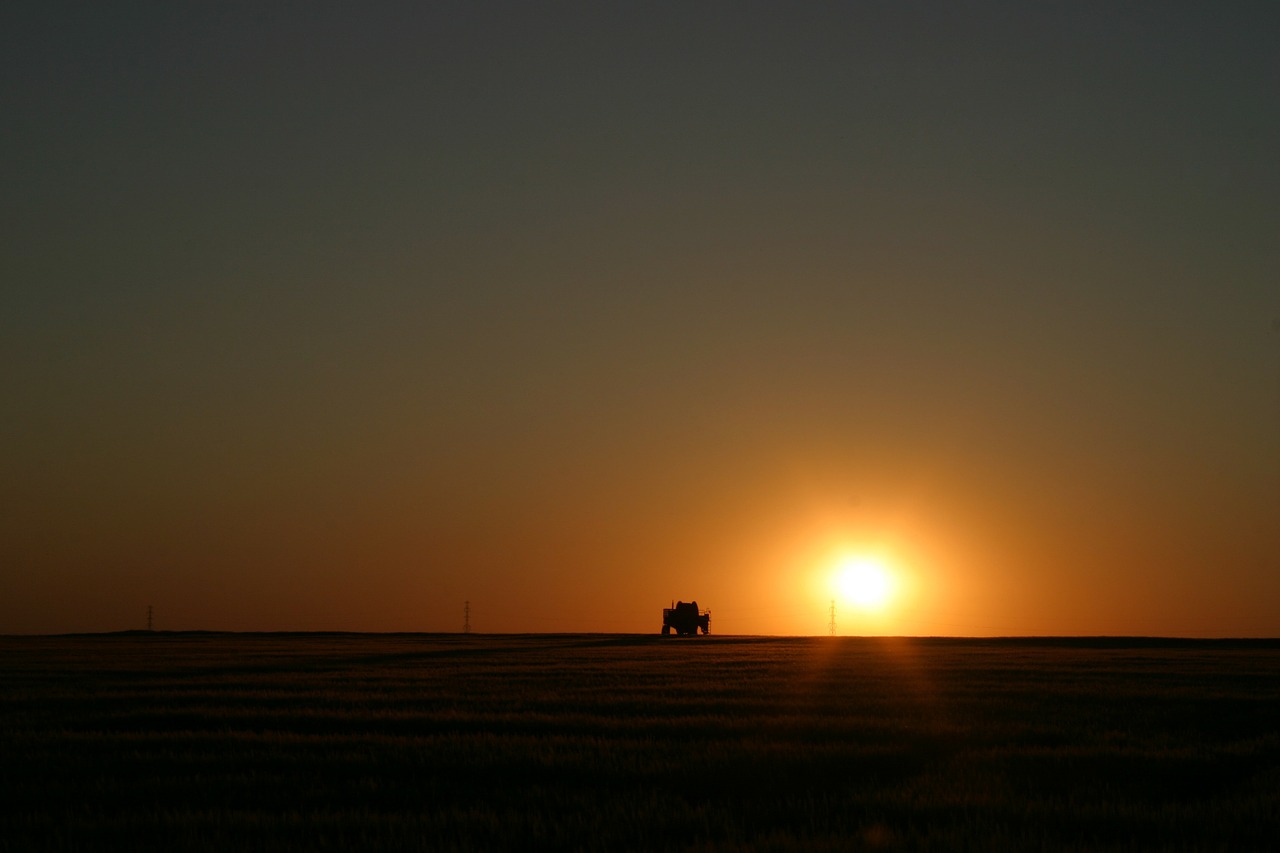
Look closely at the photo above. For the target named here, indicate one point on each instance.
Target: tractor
(685, 618)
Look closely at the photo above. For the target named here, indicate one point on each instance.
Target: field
(614, 742)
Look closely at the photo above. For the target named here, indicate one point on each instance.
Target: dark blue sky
(333, 315)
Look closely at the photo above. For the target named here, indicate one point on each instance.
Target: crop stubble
(302, 741)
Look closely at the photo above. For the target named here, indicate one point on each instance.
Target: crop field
(615, 742)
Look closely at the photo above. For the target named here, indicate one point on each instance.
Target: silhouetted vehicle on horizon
(685, 618)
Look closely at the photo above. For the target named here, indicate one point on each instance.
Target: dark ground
(387, 742)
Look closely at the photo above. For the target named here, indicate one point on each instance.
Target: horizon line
(657, 637)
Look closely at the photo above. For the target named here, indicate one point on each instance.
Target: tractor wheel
(666, 630)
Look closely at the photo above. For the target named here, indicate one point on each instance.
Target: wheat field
(207, 741)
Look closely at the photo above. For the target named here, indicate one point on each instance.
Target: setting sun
(864, 582)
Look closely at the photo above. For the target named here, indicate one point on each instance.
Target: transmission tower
(832, 626)
(466, 617)
(148, 617)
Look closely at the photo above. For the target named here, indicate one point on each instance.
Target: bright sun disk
(864, 582)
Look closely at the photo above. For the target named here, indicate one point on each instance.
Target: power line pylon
(832, 626)
(466, 617)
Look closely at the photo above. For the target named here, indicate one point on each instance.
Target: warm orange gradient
(338, 320)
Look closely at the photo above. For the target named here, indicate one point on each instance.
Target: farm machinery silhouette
(685, 619)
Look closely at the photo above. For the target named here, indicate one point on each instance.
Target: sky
(339, 316)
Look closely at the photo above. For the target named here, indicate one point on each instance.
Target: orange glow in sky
(337, 319)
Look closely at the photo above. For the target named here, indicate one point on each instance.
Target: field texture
(437, 742)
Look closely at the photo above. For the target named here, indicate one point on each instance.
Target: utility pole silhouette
(466, 617)
(148, 617)
(832, 626)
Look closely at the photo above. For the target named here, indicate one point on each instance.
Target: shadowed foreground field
(335, 741)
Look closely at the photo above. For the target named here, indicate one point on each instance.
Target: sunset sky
(330, 315)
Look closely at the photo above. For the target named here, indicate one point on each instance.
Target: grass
(599, 742)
